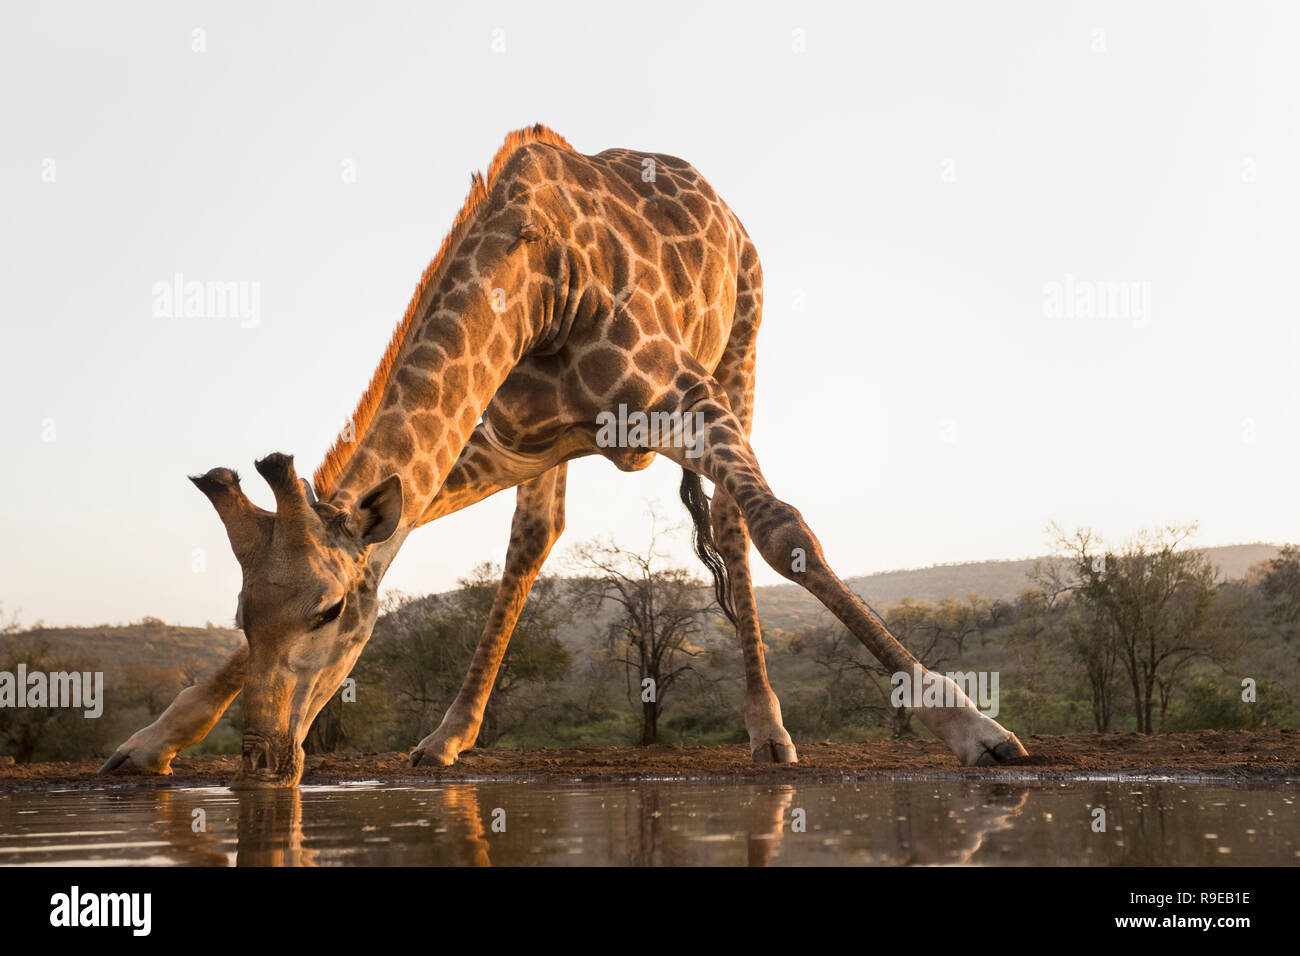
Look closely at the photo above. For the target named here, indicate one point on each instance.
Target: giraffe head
(306, 605)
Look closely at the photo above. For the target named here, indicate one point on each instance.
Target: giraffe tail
(697, 503)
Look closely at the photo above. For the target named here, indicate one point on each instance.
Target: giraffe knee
(784, 540)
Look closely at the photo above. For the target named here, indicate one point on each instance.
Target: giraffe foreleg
(721, 452)
(538, 522)
(187, 720)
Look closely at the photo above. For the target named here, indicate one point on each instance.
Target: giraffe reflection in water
(649, 824)
(897, 822)
(957, 834)
(270, 829)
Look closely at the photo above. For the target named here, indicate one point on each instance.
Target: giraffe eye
(329, 614)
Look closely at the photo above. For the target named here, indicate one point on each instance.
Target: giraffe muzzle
(268, 764)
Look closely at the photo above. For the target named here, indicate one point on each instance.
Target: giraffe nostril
(256, 755)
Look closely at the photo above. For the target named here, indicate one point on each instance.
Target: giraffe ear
(379, 511)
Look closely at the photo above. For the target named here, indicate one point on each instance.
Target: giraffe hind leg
(721, 538)
(723, 546)
(769, 742)
(723, 454)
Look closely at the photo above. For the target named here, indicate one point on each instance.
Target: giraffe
(569, 286)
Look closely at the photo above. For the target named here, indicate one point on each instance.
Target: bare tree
(1154, 600)
(658, 621)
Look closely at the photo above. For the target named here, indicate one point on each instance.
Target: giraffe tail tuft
(697, 503)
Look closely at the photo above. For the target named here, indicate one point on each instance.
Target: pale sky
(927, 183)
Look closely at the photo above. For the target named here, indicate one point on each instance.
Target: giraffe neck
(451, 363)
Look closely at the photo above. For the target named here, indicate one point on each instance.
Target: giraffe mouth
(266, 764)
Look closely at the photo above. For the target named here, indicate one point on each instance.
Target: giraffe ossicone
(571, 293)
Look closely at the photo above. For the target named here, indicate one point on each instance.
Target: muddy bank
(1230, 755)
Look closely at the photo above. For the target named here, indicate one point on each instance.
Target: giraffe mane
(340, 453)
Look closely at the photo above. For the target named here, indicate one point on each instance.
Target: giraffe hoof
(422, 758)
(138, 755)
(775, 752)
(430, 757)
(119, 761)
(1007, 750)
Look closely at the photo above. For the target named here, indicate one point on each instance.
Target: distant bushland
(1058, 644)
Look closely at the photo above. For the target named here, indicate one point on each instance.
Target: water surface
(656, 823)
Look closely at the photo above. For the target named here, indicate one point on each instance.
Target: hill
(789, 606)
(153, 644)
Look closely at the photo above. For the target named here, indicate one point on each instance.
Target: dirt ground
(1232, 755)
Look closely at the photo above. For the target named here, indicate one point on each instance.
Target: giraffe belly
(573, 434)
